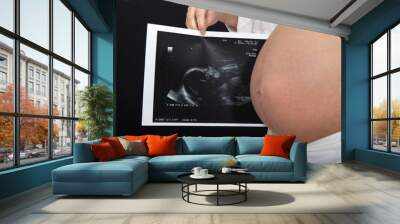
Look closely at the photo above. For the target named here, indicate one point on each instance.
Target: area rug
(166, 198)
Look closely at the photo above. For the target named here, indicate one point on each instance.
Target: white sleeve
(246, 25)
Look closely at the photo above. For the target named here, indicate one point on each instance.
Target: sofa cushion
(185, 163)
(161, 145)
(257, 163)
(277, 145)
(249, 145)
(112, 171)
(208, 145)
(103, 152)
(134, 147)
(83, 152)
(116, 145)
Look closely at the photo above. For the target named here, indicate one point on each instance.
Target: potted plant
(96, 103)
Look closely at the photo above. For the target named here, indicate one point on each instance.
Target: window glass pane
(395, 136)
(34, 21)
(81, 45)
(6, 142)
(379, 97)
(62, 138)
(81, 81)
(81, 131)
(379, 56)
(6, 74)
(62, 28)
(7, 14)
(33, 139)
(395, 94)
(62, 89)
(379, 135)
(395, 47)
(34, 97)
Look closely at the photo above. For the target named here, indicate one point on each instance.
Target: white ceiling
(326, 16)
(321, 9)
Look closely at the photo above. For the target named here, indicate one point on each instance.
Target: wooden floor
(377, 188)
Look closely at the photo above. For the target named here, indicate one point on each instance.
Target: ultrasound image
(204, 79)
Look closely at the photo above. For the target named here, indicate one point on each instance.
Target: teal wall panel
(24, 178)
(380, 159)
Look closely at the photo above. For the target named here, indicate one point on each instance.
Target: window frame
(16, 115)
(388, 74)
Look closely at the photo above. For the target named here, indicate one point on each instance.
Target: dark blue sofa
(125, 176)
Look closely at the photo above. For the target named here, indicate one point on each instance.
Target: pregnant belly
(296, 83)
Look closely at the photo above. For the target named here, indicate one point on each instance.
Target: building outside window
(3, 72)
(385, 91)
(56, 129)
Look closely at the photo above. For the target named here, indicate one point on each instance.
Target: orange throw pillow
(116, 145)
(103, 152)
(135, 138)
(161, 145)
(277, 145)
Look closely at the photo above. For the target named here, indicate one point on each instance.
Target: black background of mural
(195, 75)
(132, 19)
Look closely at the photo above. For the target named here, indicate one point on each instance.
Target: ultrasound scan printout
(195, 80)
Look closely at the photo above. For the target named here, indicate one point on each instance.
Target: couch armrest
(298, 155)
(83, 152)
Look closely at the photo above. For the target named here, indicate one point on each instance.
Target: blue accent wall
(99, 15)
(24, 178)
(356, 130)
(103, 50)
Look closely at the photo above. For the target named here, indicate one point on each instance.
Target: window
(62, 29)
(81, 45)
(3, 78)
(37, 90)
(30, 72)
(6, 73)
(7, 14)
(34, 21)
(3, 72)
(62, 137)
(37, 74)
(81, 81)
(3, 61)
(43, 114)
(385, 91)
(62, 74)
(44, 91)
(6, 142)
(30, 88)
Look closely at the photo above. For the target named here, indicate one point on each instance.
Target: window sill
(25, 167)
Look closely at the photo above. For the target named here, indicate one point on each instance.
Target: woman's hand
(201, 19)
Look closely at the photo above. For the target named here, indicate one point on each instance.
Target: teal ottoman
(119, 177)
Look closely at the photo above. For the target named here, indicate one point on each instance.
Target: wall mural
(194, 80)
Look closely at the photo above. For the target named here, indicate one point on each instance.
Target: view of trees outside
(6, 141)
(33, 138)
(379, 128)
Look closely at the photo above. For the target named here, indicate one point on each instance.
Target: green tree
(96, 102)
(380, 127)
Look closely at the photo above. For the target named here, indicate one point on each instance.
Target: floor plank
(378, 190)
